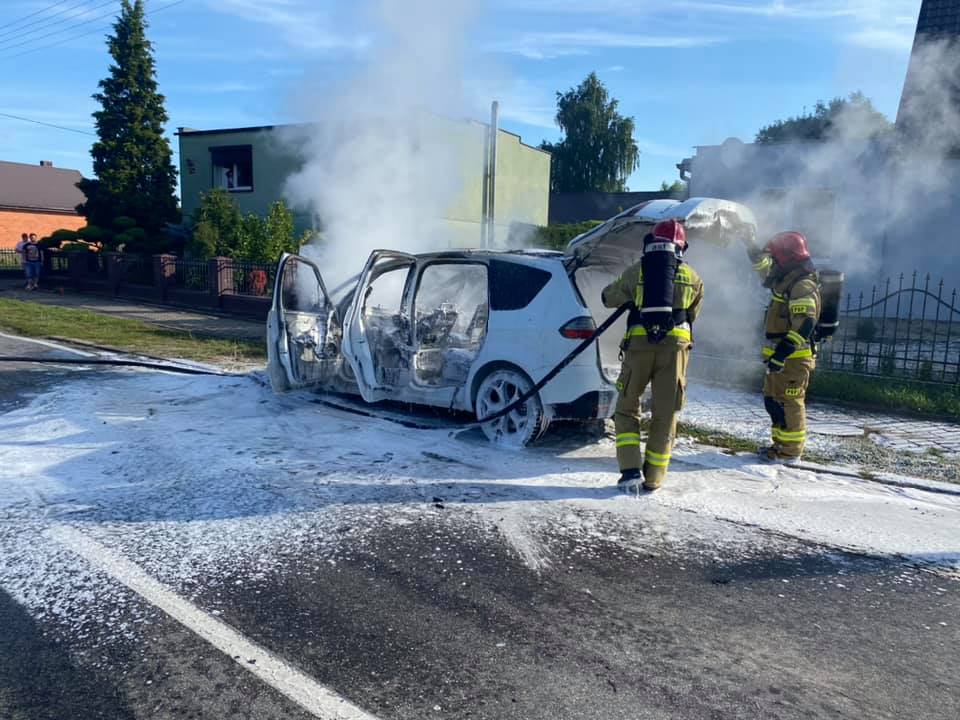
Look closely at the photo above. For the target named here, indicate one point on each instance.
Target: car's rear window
(513, 286)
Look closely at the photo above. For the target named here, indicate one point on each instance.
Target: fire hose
(519, 402)
(107, 361)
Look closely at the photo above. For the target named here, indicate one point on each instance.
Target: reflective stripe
(778, 298)
(680, 331)
(627, 439)
(790, 437)
(796, 338)
(668, 309)
(804, 353)
(656, 459)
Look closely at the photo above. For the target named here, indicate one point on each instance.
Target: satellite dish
(732, 151)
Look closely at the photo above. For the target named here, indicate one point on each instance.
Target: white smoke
(381, 166)
(873, 203)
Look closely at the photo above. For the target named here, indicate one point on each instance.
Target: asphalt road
(435, 615)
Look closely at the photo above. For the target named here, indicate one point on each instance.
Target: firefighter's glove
(781, 352)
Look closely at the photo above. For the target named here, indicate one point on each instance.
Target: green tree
(135, 176)
(678, 187)
(598, 151)
(853, 117)
(217, 226)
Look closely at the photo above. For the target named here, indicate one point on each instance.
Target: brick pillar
(221, 278)
(164, 273)
(114, 271)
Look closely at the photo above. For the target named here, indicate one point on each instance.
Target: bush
(58, 237)
(124, 223)
(76, 247)
(556, 237)
(223, 225)
(92, 233)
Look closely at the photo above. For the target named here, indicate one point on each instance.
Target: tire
(519, 427)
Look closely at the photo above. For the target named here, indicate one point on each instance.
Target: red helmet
(671, 231)
(788, 248)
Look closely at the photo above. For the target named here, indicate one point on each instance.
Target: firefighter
(787, 270)
(665, 296)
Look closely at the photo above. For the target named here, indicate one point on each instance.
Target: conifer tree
(132, 159)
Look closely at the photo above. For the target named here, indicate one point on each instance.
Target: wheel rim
(496, 394)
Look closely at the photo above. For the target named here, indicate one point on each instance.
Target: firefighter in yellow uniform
(791, 319)
(665, 294)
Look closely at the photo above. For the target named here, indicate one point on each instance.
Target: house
(253, 164)
(37, 199)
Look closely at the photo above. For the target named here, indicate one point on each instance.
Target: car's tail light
(580, 328)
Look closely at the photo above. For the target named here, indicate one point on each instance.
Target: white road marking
(55, 346)
(296, 685)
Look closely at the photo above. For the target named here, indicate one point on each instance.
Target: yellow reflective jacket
(792, 315)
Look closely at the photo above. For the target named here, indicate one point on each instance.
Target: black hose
(122, 363)
(558, 369)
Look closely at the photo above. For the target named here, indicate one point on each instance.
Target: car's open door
(303, 329)
(376, 338)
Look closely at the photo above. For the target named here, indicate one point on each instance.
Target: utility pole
(489, 194)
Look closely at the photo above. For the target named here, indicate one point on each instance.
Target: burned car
(471, 330)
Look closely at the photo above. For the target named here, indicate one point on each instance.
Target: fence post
(77, 268)
(114, 262)
(221, 278)
(164, 273)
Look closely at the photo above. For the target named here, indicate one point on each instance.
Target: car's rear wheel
(522, 425)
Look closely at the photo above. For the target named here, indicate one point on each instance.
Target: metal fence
(899, 330)
(253, 279)
(9, 260)
(191, 274)
(136, 269)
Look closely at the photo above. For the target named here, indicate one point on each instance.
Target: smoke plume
(380, 168)
(873, 202)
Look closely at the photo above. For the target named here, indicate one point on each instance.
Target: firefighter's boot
(629, 479)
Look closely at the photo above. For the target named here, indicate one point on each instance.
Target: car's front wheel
(520, 426)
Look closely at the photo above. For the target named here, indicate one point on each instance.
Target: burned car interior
(313, 332)
(450, 311)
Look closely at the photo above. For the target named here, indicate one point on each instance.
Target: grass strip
(135, 336)
(890, 394)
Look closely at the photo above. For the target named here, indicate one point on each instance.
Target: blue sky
(691, 72)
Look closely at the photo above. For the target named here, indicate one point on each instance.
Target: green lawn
(35, 320)
(905, 396)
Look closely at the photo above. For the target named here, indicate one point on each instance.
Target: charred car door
(304, 329)
(377, 339)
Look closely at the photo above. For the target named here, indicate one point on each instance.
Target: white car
(469, 330)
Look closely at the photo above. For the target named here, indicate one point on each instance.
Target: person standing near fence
(18, 248)
(787, 270)
(32, 261)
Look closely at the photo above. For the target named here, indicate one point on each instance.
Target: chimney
(46, 163)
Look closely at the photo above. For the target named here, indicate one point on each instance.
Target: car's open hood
(619, 241)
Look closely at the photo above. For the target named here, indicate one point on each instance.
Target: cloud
(548, 45)
(874, 24)
(616, 68)
(301, 23)
(876, 39)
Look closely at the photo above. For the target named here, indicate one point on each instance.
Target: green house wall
(522, 182)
